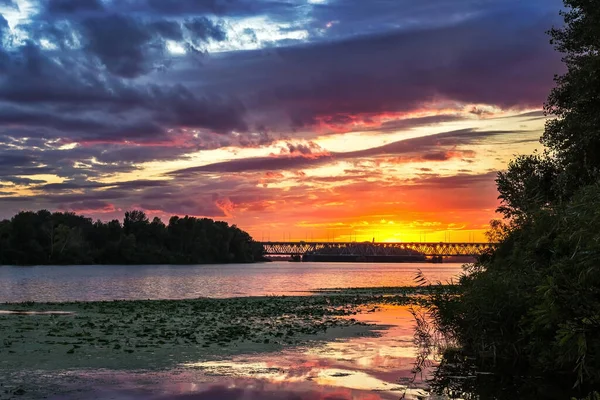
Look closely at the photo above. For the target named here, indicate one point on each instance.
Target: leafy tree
(535, 301)
(527, 186)
(574, 135)
(66, 238)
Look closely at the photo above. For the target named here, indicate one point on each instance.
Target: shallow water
(360, 368)
(117, 282)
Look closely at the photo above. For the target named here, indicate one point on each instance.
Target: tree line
(534, 303)
(65, 238)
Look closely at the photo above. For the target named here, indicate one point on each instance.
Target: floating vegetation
(162, 333)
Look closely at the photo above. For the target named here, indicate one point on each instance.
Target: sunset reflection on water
(379, 365)
(370, 366)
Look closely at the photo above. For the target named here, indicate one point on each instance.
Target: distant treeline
(45, 238)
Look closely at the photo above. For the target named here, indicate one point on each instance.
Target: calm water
(73, 283)
(359, 368)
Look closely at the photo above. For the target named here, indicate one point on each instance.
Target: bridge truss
(377, 249)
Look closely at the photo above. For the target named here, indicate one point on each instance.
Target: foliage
(41, 238)
(536, 300)
(574, 136)
(527, 185)
(534, 303)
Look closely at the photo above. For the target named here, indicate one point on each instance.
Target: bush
(535, 302)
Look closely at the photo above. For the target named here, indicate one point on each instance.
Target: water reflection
(239, 390)
(374, 366)
(376, 363)
(271, 392)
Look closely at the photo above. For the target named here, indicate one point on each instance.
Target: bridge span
(370, 249)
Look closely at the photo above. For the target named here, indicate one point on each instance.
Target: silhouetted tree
(66, 238)
(535, 302)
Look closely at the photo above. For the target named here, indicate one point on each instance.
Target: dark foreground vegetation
(534, 304)
(40, 238)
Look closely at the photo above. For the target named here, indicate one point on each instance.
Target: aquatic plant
(101, 334)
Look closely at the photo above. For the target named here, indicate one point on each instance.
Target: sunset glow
(300, 120)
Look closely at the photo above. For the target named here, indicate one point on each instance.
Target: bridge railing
(383, 249)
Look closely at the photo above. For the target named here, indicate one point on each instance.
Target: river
(367, 367)
(141, 282)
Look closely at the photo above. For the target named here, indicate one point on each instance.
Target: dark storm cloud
(184, 207)
(34, 76)
(36, 79)
(499, 59)
(73, 6)
(22, 181)
(66, 198)
(65, 123)
(107, 81)
(179, 106)
(202, 29)
(171, 8)
(15, 158)
(494, 60)
(168, 29)
(232, 8)
(128, 185)
(122, 43)
(71, 185)
(140, 154)
(128, 47)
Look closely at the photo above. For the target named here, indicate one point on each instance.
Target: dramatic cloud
(239, 108)
(73, 6)
(432, 148)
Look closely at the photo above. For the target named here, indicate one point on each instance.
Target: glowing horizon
(305, 120)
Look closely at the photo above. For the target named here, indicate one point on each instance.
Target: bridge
(368, 249)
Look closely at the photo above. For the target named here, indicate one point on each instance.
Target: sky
(293, 119)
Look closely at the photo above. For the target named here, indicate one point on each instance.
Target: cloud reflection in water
(369, 364)
(361, 368)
